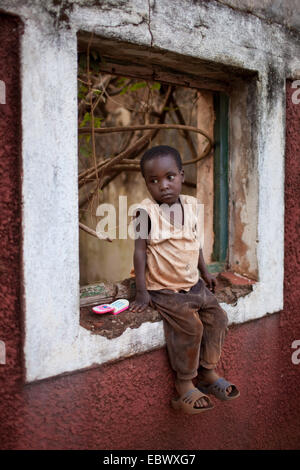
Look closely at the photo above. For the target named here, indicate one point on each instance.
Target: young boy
(167, 258)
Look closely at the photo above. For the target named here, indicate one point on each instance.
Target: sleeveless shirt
(173, 248)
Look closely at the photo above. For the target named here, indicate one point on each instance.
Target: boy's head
(161, 168)
(158, 152)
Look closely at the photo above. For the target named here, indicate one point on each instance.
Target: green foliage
(84, 145)
(167, 108)
(86, 152)
(134, 87)
(156, 86)
(125, 89)
(97, 122)
(82, 91)
(87, 118)
(137, 86)
(121, 81)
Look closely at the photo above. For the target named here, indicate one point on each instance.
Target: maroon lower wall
(126, 405)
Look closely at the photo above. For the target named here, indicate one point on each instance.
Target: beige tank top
(173, 248)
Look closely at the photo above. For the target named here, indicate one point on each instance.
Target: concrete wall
(200, 44)
(106, 407)
(283, 13)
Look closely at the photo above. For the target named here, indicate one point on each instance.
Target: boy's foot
(209, 376)
(183, 386)
(210, 383)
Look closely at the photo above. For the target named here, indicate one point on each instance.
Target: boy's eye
(171, 177)
(154, 180)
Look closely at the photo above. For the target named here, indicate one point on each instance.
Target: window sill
(230, 288)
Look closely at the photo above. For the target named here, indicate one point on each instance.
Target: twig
(91, 105)
(108, 130)
(181, 120)
(92, 232)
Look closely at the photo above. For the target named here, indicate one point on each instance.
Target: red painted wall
(126, 405)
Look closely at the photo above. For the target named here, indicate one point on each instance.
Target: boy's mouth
(169, 198)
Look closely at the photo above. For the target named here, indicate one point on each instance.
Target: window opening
(195, 121)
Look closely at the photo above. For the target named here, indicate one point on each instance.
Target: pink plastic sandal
(116, 307)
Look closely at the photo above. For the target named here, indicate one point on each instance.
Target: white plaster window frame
(55, 343)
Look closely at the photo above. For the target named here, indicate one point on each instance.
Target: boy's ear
(182, 174)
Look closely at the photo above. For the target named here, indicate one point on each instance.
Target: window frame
(54, 341)
(221, 190)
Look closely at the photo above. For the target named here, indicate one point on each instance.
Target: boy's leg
(183, 332)
(215, 323)
(214, 320)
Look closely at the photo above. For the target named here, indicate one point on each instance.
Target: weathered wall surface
(201, 42)
(205, 171)
(10, 224)
(243, 182)
(106, 407)
(286, 13)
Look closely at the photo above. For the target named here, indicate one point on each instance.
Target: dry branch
(142, 127)
(92, 232)
(105, 166)
(186, 134)
(132, 151)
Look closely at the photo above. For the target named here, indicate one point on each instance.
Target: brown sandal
(218, 389)
(187, 401)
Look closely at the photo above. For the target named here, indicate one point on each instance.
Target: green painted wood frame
(220, 224)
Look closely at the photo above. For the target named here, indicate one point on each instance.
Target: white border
(55, 343)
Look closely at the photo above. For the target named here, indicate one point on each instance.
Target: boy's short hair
(161, 151)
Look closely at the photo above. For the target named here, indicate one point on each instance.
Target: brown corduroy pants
(195, 326)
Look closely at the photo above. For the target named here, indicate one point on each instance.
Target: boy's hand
(210, 281)
(141, 302)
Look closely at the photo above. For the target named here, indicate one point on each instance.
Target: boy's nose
(164, 185)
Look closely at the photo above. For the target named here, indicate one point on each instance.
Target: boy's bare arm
(210, 280)
(142, 298)
(139, 262)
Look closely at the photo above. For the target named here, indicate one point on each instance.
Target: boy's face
(163, 179)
